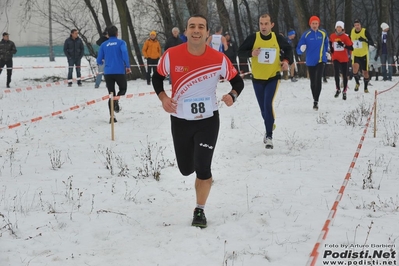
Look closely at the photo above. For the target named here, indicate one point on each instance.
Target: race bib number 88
(197, 108)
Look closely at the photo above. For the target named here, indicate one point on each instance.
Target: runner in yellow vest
(263, 47)
(361, 39)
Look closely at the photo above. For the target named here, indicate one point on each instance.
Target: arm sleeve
(300, 43)
(245, 49)
(66, 48)
(237, 84)
(286, 47)
(157, 82)
(144, 50)
(13, 49)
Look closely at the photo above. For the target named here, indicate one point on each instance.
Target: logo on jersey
(181, 69)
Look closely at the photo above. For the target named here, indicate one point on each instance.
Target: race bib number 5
(197, 108)
(267, 55)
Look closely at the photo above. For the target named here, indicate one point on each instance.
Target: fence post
(375, 113)
(112, 116)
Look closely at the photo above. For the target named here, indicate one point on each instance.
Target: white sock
(200, 206)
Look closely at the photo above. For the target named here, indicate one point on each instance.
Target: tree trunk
(202, 6)
(240, 35)
(316, 8)
(138, 71)
(180, 22)
(251, 27)
(164, 9)
(288, 17)
(384, 17)
(94, 15)
(223, 15)
(348, 16)
(303, 17)
(123, 14)
(105, 12)
(197, 7)
(274, 7)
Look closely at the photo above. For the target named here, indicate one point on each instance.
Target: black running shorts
(194, 143)
(363, 62)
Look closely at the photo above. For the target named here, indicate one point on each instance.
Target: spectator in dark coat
(74, 50)
(232, 51)
(103, 38)
(386, 49)
(7, 50)
(174, 39)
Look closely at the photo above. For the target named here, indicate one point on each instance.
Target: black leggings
(120, 79)
(194, 143)
(7, 63)
(343, 67)
(316, 74)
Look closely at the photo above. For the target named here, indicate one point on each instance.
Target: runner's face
(265, 26)
(339, 29)
(358, 27)
(314, 25)
(196, 31)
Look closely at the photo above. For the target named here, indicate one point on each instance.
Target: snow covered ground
(60, 205)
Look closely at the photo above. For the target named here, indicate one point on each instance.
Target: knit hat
(153, 33)
(314, 18)
(291, 32)
(384, 26)
(340, 24)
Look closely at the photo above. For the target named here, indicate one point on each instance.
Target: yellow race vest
(267, 64)
(359, 48)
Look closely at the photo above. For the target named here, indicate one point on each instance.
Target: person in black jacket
(103, 38)
(174, 39)
(232, 51)
(73, 50)
(7, 50)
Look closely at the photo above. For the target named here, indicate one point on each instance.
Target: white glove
(328, 55)
(303, 48)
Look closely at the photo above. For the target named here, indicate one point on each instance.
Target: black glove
(362, 39)
(341, 44)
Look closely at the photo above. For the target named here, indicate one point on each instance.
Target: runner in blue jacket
(114, 53)
(315, 42)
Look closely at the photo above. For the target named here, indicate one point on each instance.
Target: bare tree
(223, 14)
(165, 14)
(249, 16)
(105, 11)
(179, 20)
(240, 35)
(348, 14)
(274, 7)
(124, 16)
(197, 7)
(93, 13)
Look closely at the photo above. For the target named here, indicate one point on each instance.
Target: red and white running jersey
(194, 79)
